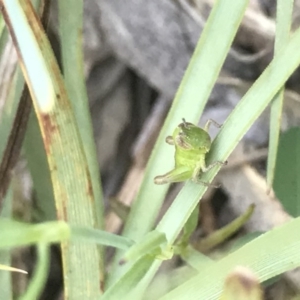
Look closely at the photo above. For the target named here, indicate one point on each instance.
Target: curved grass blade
(224, 233)
(40, 275)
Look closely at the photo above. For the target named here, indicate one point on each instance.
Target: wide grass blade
(70, 14)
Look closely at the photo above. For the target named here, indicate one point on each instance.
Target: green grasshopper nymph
(192, 143)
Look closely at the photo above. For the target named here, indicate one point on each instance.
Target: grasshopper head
(191, 137)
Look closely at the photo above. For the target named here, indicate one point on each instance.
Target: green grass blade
(260, 255)
(70, 25)
(286, 183)
(40, 275)
(147, 246)
(124, 288)
(100, 237)
(189, 228)
(39, 170)
(70, 175)
(220, 235)
(189, 102)
(17, 234)
(283, 28)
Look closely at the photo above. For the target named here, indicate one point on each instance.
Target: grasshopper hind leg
(176, 175)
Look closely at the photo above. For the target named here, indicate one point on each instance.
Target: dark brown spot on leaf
(49, 128)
